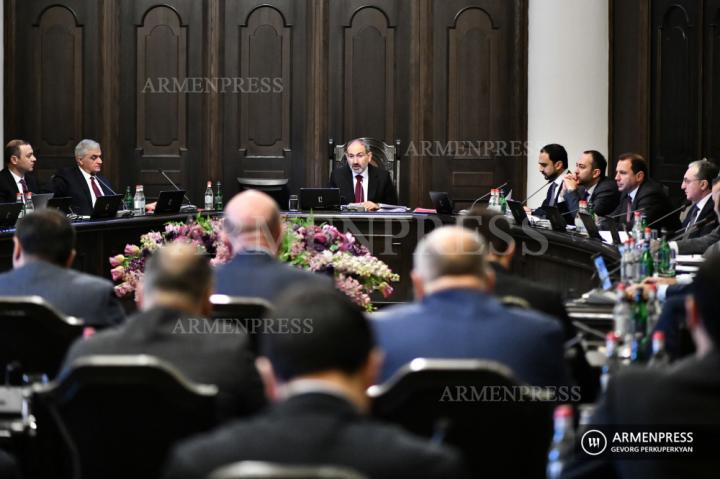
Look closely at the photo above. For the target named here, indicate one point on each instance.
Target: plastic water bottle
(29, 207)
(19, 199)
(579, 225)
(563, 441)
(139, 201)
(209, 197)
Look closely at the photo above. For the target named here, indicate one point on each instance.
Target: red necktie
(24, 186)
(95, 187)
(359, 195)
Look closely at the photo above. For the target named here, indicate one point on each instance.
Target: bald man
(456, 316)
(254, 230)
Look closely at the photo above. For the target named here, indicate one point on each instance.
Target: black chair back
(117, 417)
(243, 312)
(384, 156)
(502, 428)
(34, 336)
(267, 470)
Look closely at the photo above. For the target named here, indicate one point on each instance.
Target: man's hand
(370, 206)
(660, 280)
(150, 207)
(528, 210)
(570, 182)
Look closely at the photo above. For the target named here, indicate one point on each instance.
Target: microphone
(620, 215)
(537, 191)
(189, 203)
(676, 210)
(486, 195)
(694, 227)
(105, 184)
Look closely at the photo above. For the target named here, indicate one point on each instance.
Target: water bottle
(218, 197)
(19, 199)
(128, 200)
(579, 225)
(209, 197)
(563, 442)
(139, 201)
(29, 207)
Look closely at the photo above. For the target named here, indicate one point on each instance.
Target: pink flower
(132, 250)
(117, 272)
(117, 260)
(123, 289)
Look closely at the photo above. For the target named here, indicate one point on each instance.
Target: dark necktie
(24, 186)
(585, 195)
(359, 196)
(550, 200)
(95, 187)
(629, 211)
(692, 216)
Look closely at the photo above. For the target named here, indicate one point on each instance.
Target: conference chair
(243, 312)
(268, 470)
(384, 156)
(34, 338)
(116, 417)
(476, 406)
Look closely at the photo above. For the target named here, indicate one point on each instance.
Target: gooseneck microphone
(537, 191)
(105, 184)
(162, 172)
(684, 205)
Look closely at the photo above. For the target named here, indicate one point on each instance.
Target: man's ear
(70, 259)
(373, 366)
(489, 279)
(418, 285)
(640, 176)
(17, 251)
(559, 166)
(692, 315)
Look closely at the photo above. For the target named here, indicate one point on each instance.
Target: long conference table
(559, 260)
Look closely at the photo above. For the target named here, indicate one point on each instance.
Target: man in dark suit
(17, 176)
(552, 163)
(685, 395)
(456, 316)
(590, 183)
(83, 181)
(709, 242)
(175, 297)
(361, 182)
(253, 229)
(43, 252)
(321, 417)
(638, 192)
(697, 185)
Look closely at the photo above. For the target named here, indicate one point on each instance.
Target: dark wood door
(52, 70)
(480, 100)
(711, 81)
(162, 90)
(265, 45)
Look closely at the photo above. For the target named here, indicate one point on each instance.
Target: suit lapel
(83, 184)
(372, 182)
(8, 178)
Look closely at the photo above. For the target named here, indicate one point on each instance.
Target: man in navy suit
(253, 229)
(17, 176)
(44, 250)
(361, 182)
(83, 181)
(590, 183)
(457, 317)
(552, 163)
(697, 185)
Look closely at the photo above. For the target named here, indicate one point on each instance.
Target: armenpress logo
(593, 442)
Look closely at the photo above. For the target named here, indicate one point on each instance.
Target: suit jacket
(71, 182)
(699, 245)
(73, 293)
(259, 275)
(654, 203)
(9, 189)
(315, 429)
(465, 323)
(604, 198)
(687, 394)
(380, 185)
(705, 223)
(206, 358)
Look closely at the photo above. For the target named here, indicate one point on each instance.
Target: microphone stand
(186, 208)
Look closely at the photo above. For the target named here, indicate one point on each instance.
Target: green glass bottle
(503, 203)
(128, 199)
(646, 261)
(218, 197)
(664, 256)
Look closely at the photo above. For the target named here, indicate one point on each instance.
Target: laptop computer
(517, 211)
(557, 222)
(40, 200)
(106, 207)
(441, 202)
(322, 199)
(169, 202)
(61, 203)
(9, 213)
(590, 226)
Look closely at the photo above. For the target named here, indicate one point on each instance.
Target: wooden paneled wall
(220, 89)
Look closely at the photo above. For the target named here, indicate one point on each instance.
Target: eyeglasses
(686, 181)
(359, 156)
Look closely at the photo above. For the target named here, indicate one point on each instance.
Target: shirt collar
(306, 386)
(591, 190)
(85, 174)
(701, 204)
(16, 177)
(632, 194)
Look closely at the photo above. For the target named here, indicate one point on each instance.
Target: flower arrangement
(318, 248)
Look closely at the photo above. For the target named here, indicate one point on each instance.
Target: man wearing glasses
(83, 181)
(361, 182)
(697, 185)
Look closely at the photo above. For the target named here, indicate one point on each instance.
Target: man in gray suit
(44, 249)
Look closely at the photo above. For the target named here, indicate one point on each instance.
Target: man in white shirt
(17, 176)
(697, 185)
